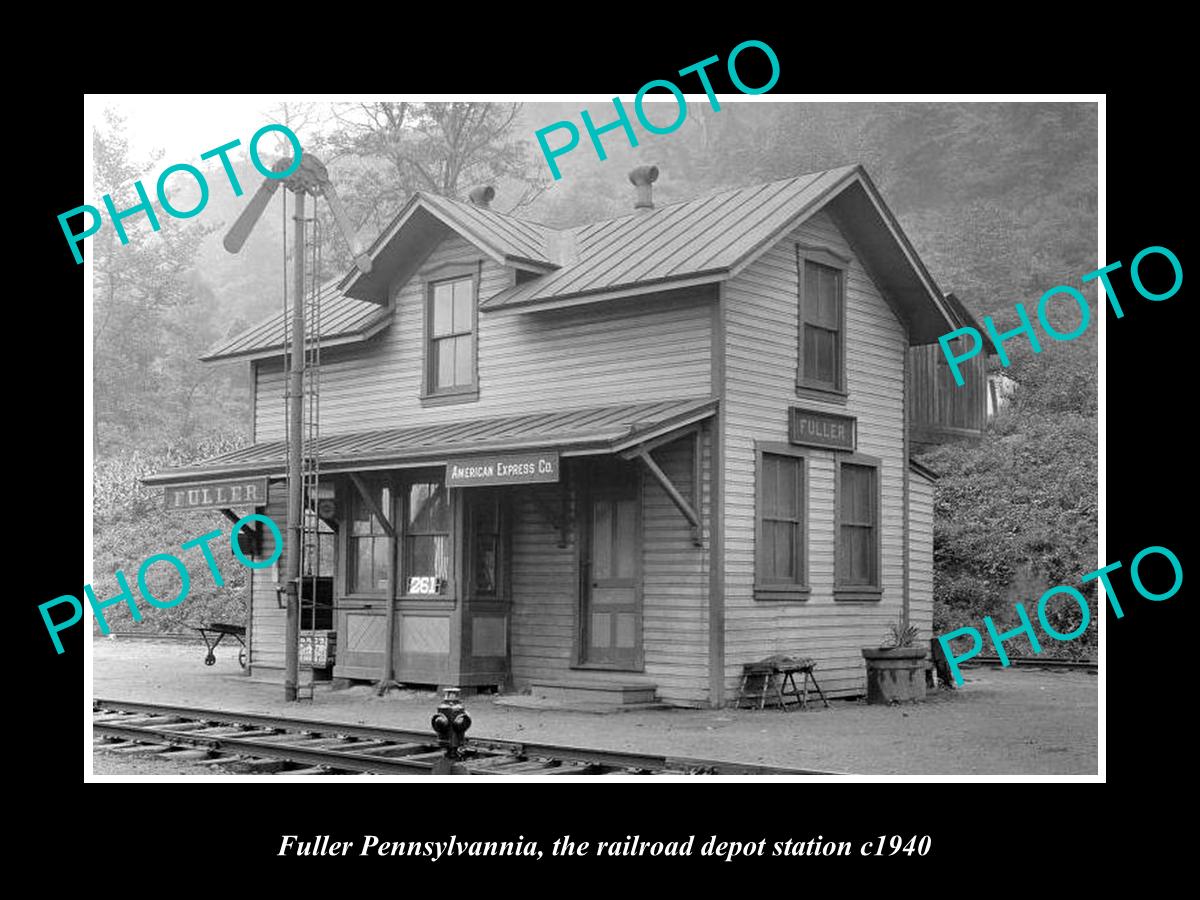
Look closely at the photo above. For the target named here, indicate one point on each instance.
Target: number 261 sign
(425, 584)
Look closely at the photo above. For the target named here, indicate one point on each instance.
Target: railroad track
(1032, 662)
(259, 744)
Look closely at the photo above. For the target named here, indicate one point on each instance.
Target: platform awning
(576, 432)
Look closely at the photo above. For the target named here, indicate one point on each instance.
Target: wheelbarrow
(220, 630)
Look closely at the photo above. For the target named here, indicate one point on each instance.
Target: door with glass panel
(612, 548)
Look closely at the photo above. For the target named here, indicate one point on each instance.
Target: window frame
(349, 569)
(471, 504)
(823, 256)
(781, 590)
(857, 591)
(403, 533)
(434, 276)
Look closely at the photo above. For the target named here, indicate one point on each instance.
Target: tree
(150, 312)
(442, 148)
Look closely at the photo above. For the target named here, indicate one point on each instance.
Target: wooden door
(612, 607)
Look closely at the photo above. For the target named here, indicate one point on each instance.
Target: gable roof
(700, 241)
(707, 236)
(964, 319)
(714, 238)
(344, 320)
(424, 220)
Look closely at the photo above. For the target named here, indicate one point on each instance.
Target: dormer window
(451, 325)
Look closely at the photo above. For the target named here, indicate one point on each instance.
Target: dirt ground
(1001, 722)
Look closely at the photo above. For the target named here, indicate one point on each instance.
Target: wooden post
(386, 677)
(905, 605)
(295, 507)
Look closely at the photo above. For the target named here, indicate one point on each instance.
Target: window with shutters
(821, 353)
(857, 551)
(780, 557)
(450, 335)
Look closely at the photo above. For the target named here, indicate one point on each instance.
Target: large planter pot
(895, 673)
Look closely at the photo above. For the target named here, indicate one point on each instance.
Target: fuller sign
(218, 494)
(821, 429)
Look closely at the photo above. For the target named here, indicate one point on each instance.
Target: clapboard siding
(675, 584)
(675, 587)
(940, 409)
(544, 587)
(920, 555)
(761, 335)
(268, 622)
(637, 350)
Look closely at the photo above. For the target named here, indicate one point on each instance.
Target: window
(317, 573)
(427, 539)
(369, 547)
(486, 545)
(858, 531)
(780, 540)
(822, 317)
(450, 333)
(319, 542)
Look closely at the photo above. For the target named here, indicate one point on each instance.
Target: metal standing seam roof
(347, 319)
(708, 235)
(343, 320)
(510, 237)
(600, 429)
(705, 239)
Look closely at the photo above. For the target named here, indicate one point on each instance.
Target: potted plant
(896, 669)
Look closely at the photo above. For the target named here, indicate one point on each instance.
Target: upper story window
(821, 345)
(450, 335)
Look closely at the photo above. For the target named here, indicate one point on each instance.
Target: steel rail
(617, 759)
(1032, 662)
(298, 753)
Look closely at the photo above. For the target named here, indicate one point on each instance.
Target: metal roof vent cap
(481, 196)
(642, 177)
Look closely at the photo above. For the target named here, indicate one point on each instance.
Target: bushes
(1016, 512)
(130, 524)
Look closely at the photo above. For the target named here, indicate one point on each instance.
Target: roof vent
(481, 196)
(642, 177)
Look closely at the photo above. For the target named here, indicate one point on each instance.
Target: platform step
(613, 693)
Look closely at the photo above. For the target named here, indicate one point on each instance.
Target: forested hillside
(999, 200)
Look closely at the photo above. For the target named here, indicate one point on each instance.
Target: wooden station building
(628, 456)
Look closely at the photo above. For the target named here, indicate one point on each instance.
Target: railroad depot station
(624, 458)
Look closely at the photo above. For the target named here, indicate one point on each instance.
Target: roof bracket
(369, 500)
(557, 518)
(685, 507)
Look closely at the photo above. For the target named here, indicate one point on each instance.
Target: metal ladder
(310, 544)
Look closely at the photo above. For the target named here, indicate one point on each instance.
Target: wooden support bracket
(369, 500)
(557, 519)
(677, 498)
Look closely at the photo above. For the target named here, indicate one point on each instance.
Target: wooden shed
(943, 410)
(624, 458)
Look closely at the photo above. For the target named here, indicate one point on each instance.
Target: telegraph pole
(295, 467)
(308, 174)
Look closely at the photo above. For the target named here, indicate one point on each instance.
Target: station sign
(218, 494)
(821, 429)
(502, 468)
